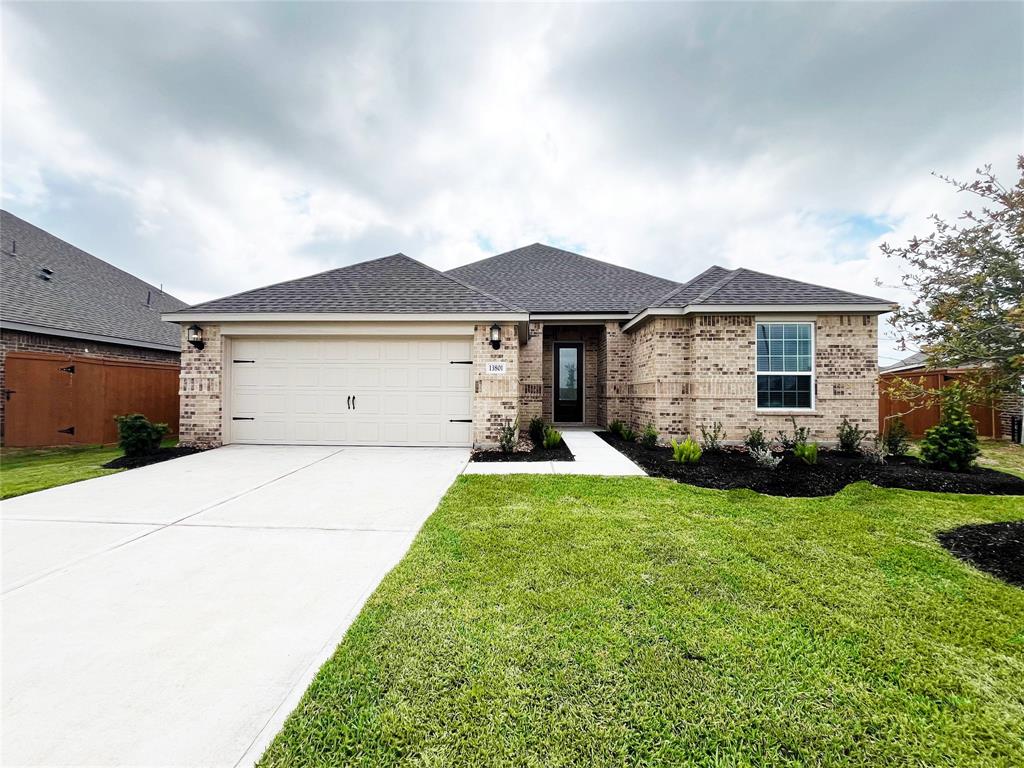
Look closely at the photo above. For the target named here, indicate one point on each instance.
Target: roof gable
(393, 284)
(541, 279)
(83, 295)
(737, 287)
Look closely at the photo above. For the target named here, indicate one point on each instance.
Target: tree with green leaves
(968, 283)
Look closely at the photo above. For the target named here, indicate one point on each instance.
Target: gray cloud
(217, 146)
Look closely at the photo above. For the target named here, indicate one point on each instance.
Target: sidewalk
(593, 457)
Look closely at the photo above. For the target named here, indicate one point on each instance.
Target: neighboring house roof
(50, 286)
(543, 279)
(720, 286)
(916, 360)
(390, 285)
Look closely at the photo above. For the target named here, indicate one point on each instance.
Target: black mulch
(733, 468)
(997, 548)
(561, 453)
(163, 454)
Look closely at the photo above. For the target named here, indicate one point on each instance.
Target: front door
(568, 380)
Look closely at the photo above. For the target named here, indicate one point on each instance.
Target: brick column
(531, 375)
(200, 390)
(495, 396)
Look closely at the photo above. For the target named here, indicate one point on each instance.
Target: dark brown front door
(568, 382)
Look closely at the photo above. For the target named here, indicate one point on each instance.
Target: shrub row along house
(80, 341)
(393, 352)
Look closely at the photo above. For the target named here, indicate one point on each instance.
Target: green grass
(1002, 455)
(24, 470)
(596, 621)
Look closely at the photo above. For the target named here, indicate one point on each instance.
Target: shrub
(649, 437)
(711, 439)
(764, 456)
(896, 440)
(627, 433)
(806, 452)
(616, 428)
(953, 443)
(755, 440)
(874, 450)
(137, 436)
(850, 436)
(799, 437)
(537, 431)
(552, 437)
(686, 452)
(509, 436)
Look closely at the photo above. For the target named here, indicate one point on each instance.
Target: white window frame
(813, 373)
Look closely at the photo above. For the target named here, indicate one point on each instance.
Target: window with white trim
(785, 365)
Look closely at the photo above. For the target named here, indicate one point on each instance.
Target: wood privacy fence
(72, 400)
(918, 419)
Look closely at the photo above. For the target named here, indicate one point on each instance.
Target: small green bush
(627, 433)
(755, 440)
(137, 436)
(799, 436)
(952, 443)
(850, 436)
(649, 437)
(509, 436)
(616, 427)
(764, 457)
(552, 437)
(806, 452)
(537, 431)
(686, 452)
(711, 439)
(896, 440)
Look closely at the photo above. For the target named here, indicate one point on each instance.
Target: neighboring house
(393, 352)
(80, 341)
(994, 420)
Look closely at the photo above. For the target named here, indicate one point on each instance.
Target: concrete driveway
(173, 615)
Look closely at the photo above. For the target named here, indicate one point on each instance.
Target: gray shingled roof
(718, 286)
(393, 284)
(545, 279)
(84, 294)
(916, 360)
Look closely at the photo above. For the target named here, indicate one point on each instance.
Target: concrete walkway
(174, 614)
(593, 457)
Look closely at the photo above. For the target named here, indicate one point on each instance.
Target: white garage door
(350, 391)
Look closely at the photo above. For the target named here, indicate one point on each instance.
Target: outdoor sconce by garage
(195, 336)
(496, 336)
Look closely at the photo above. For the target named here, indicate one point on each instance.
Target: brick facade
(201, 390)
(22, 341)
(495, 397)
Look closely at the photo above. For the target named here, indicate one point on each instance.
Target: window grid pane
(784, 353)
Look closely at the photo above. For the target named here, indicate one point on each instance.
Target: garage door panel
(301, 391)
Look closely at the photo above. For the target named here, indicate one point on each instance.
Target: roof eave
(263, 317)
(64, 333)
(867, 308)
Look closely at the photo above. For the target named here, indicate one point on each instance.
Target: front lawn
(1002, 455)
(23, 470)
(567, 620)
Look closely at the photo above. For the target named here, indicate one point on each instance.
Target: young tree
(968, 283)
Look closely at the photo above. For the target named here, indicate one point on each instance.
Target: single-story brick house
(80, 341)
(393, 352)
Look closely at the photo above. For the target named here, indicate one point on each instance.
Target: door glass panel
(568, 373)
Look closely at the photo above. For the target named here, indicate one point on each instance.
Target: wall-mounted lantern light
(496, 336)
(195, 336)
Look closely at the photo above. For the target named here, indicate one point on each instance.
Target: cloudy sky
(217, 147)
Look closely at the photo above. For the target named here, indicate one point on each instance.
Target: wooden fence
(920, 418)
(72, 400)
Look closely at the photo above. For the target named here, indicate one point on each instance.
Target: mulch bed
(733, 468)
(162, 454)
(996, 548)
(525, 452)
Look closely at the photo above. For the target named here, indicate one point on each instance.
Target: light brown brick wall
(695, 370)
(531, 376)
(495, 398)
(201, 390)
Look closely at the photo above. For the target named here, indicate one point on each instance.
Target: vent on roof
(14, 247)
(44, 273)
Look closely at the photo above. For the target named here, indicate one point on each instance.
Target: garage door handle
(349, 401)
(353, 402)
